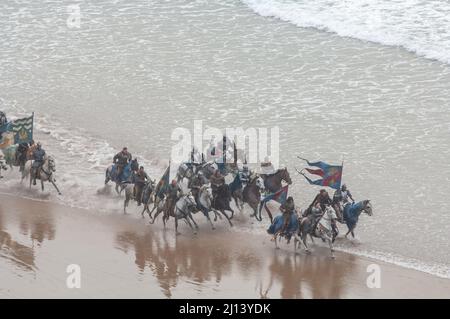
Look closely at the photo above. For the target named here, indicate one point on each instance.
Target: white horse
(45, 173)
(184, 208)
(205, 200)
(323, 229)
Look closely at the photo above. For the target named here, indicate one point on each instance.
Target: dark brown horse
(272, 182)
(251, 194)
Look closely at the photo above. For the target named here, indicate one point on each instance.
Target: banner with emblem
(22, 129)
(331, 174)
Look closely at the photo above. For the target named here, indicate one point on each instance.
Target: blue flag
(331, 174)
(279, 196)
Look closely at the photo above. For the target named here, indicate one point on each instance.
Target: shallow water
(135, 70)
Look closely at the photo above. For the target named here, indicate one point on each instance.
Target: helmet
(344, 187)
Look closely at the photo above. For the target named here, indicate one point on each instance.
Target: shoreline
(123, 257)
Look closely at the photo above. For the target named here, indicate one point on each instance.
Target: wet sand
(125, 257)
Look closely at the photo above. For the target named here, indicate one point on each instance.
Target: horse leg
(268, 212)
(192, 218)
(125, 204)
(143, 211)
(209, 219)
(42, 185)
(56, 187)
(226, 216)
(176, 227)
(350, 229)
(330, 243)
(275, 240)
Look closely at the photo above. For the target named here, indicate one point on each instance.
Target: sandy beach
(123, 256)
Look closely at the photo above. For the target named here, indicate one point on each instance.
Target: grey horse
(322, 229)
(184, 207)
(45, 173)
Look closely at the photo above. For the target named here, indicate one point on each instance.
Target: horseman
(38, 156)
(197, 159)
(244, 174)
(3, 121)
(340, 198)
(288, 208)
(195, 184)
(121, 160)
(21, 155)
(322, 199)
(139, 180)
(31, 149)
(217, 180)
(173, 194)
(267, 167)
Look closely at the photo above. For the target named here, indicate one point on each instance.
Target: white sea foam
(422, 27)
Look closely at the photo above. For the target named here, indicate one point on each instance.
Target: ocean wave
(422, 27)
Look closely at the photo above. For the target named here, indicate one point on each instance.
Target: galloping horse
(272, 182)
(183, 210)
(145, 196)
(205, 203)
(221, 201)
(111, 175)
(323, 228)
(352, 212)
(184, 171)
(251, 194)
(277, 225)
(45, 173)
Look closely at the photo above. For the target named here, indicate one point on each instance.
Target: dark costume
(172, 197)
(288, 209)
(121, 159)
(21, 155)
(139, 180)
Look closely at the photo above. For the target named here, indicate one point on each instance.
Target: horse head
(285, 175)
(331, 213)
(259, 183)
(190, 202)
(51, 164)
(368, 207)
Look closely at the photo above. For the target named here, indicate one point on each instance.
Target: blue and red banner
(331, 174)
(279, 196)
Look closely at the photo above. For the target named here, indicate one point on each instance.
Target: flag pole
(342, 171)
(32, 125)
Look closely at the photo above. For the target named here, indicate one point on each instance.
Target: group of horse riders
(27, 151)
(216, 180)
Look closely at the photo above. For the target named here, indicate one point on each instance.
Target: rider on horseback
(195, 184)
(3, 121)
(21, 155)
(139, 180)
(38, 156)
(216, 180)
(197, 159)
(173, 192)
(288, 208)
(322, 199)
(121, 159)
(244, 174)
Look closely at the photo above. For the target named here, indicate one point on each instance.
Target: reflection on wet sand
(169, 262)
(203, 261)
(37, 226)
